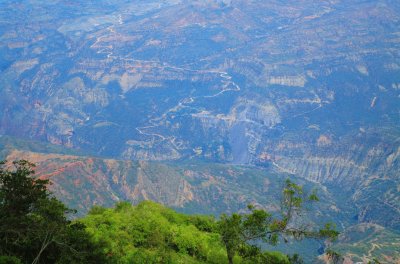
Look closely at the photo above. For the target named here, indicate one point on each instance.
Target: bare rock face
(294, 81)
(244, 126)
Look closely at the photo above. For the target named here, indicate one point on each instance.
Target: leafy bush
(9, 260)
(151, 233)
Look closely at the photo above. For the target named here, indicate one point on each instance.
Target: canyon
(201, 104)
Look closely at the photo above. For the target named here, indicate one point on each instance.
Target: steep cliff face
(363, 155)
(365, 165)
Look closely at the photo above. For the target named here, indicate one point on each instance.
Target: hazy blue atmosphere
(206, 106)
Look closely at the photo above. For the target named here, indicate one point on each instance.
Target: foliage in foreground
(152, 233)
(34, 228)
(33, 224)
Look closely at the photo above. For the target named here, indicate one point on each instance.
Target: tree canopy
(152, 233)
(34, 227)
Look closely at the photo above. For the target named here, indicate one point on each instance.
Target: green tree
(34, 225)
(237, 230)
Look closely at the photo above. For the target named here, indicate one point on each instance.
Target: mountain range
(208, 105)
